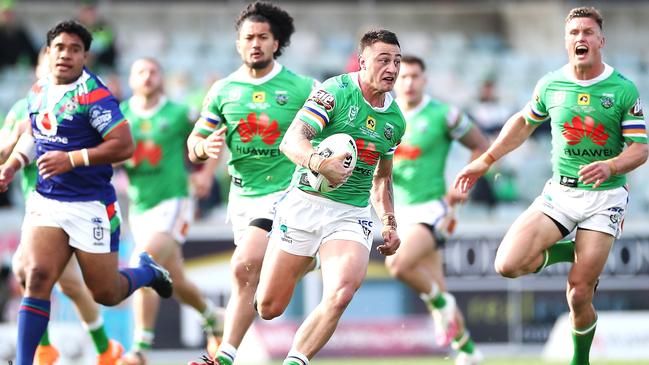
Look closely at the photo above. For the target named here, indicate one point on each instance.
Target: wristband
(71, 159)
(77, 158)
(388, 220)
(86, 158)
(22, 159)
(318, 162)
(612, 167)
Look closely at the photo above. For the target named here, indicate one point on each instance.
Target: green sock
(291, 362)
(562, 251)
(439, 301)
(468, 345)
(223, 360)
(581, 340)
(45, 339)
(99, 338)
(143, 340)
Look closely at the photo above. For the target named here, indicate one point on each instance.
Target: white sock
(94, 325)
(295, 355)
(209, 309)
(434, 292)
(227, 350)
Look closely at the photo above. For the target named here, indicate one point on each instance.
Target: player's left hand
(53, 163)
(391, 241)
(455, 196)
(595, 173)
(7, 173)
(201, 182)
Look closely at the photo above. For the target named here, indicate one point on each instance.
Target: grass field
(448, 361)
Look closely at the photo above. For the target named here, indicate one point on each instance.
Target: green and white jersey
(256, 112)
(18, 113)
(157, 172)
(420, 160)
(590, 119)
(338, 106)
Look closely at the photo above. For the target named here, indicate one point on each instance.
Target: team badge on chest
(46, 123)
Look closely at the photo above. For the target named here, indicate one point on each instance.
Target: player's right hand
(214, 142)
(466, 178)
(334, 170)
(7, 173)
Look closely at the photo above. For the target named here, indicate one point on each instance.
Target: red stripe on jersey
(93, 96)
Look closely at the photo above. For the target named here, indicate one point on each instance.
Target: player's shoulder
(619, 78)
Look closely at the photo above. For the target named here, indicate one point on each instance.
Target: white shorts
(431, 213)
(243, 210)
(595, 210)
(171, 216)
(304, 221)
(92, 226)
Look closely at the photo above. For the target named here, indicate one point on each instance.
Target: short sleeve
(210, 117)
(633, 124)
(535, 111)
(104, 113)
(318, 110)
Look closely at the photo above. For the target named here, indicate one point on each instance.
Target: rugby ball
(333, 145)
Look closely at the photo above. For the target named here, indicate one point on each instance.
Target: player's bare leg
(591, 252)
(521, 250)
(43, 255)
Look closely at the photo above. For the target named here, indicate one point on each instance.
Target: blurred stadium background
(507, 45)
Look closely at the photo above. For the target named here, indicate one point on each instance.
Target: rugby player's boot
(112, 354)
(213, 327)
(46, 355)
(204, 360)
(474, 358)
(133, 358)
(444, 321)
(162, 283)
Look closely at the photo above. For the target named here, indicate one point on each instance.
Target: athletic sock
(463, 343)
(33, 316)
(143, 339)
(435, 297)
(295, 358)
(226, 354)
(45, 339)
(98, 334)
(138, 277)
(562, 251)
(581, 341)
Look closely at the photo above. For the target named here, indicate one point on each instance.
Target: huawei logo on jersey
(47, 124)
(367, 152)
(147, 150)
(253, 126)
(407, 152)
(579, 129)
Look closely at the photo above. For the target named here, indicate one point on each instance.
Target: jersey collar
(244, 77)
(55, 92)
(608, 71)
(388, 96)
(422, 104)
(149, 112)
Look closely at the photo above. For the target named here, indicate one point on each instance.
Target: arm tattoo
(308, 131)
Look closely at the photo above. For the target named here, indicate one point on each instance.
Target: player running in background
(160, 128)
(424, 206)
(593, 111)
(70, 281)
(76, 132)
(249, 111)
(337, 224)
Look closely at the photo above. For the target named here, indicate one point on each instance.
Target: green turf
(448, 361)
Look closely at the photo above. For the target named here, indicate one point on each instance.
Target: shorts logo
(366, 225)
(97, 230)
(284, 229)
(568, 181)
(583, 99)
(616, 214)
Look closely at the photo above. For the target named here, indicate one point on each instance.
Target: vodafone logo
(46, 123)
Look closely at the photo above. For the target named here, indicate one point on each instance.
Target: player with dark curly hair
(250, 110)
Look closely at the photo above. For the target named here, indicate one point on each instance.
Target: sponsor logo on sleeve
(324, 99)
(636, 110)
(100, 117)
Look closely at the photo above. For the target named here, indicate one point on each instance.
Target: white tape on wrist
(26, 146)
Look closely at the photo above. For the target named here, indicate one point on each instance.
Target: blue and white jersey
(72, 117)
